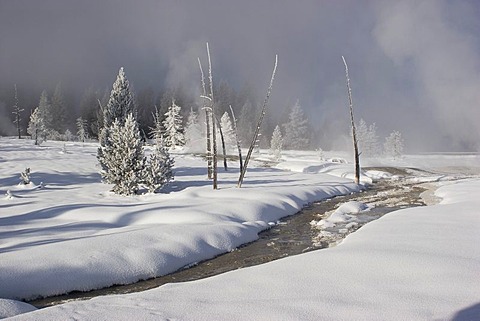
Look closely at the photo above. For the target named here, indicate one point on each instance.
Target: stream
(291, 236)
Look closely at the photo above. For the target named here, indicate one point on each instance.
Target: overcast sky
(414, 65)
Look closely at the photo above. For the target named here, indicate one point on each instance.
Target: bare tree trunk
(259, 124)
(236, 138)
(207, 122)
(354, 136)
(214, 131)
(223, 145)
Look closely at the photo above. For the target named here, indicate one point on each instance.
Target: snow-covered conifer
(173, 130)
(228, 132)
(68, 135)
(276, 144)
(367, 139)
(194, 139)
(394, 145)
(121, 102)
(296, 129)
(17, 111)
(44, 111)
(58, 110)
(36, 127)
(82, 133)
(122, 157)
(159, 168)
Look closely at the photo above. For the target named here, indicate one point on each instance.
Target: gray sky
(414, 65)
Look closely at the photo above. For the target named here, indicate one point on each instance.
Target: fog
(414, 65)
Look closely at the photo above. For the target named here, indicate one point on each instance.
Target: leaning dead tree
(259, 124)
(207, 121)
(354, 136)
(236, 138)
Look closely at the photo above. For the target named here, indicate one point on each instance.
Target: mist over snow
(414, 65)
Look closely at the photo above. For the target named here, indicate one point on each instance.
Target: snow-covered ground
(72, 234)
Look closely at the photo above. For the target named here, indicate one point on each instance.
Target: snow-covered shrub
(36, 127)
(158, 170)
(25, 176)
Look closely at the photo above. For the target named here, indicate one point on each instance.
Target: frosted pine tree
(159, 169)
(36, 127)
(394, 145)
(276, 144)
(194, 139)
(58, 110)
(122, 157)
(82, 132)
(121, 102)
(17, 111)
(296, 129)
(228, 132)
(367, 139)
(45, 113)
(173, 131)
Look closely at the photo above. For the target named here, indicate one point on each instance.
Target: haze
(414, 65)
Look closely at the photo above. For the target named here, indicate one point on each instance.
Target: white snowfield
(415, 264)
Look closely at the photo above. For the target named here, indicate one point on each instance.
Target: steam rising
(414, 65)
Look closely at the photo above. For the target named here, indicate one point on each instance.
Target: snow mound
(345, 213)
(9, 308)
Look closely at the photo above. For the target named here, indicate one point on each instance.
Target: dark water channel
(291, 236)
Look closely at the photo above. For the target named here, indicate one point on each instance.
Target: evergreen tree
(246, 124)
(44, 111)
(121, 102)
(159, 169)
(367, 139)
(194, 138)
(276, 144)
(228, 133)
(58, 110)
(120, 153)
(17, 113)
(82, 133)
(173, 127)
(394, 145)
(296, 129)
(36, 127)
(122, 157)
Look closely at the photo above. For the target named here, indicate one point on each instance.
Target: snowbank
(72, 234)
(9, 308)
(415, 264)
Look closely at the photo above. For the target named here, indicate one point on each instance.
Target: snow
(9, 308)
(345, 213)
(72, 234)
(413, 264)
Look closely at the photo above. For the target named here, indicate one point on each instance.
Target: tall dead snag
(214, 129)
(259, 124)
(354, 136)
(207, 122)
(236, 138)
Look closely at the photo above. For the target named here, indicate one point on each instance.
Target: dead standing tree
(207, 121)
(354, 136)
(210, 116)
(259, 124)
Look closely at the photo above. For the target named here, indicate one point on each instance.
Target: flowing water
(291, 236)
